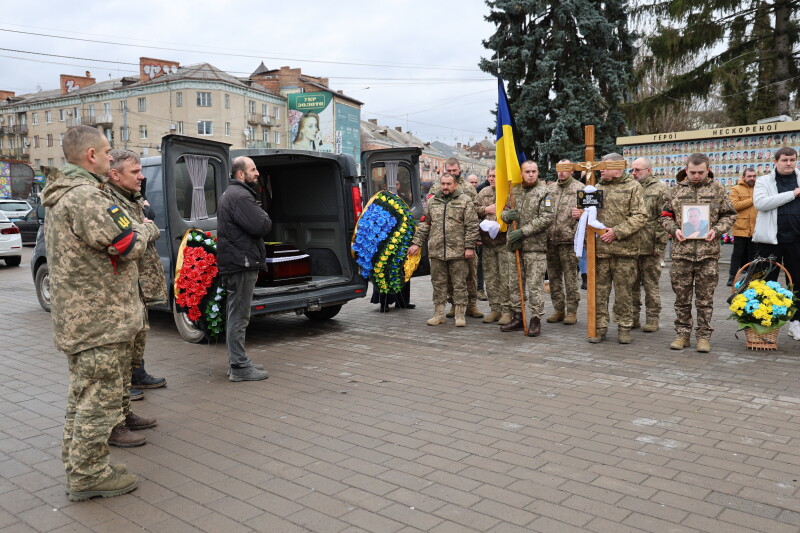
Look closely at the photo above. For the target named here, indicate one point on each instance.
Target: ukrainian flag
(507, 157)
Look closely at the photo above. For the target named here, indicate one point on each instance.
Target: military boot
(535, 327)
(516, 324)
(482, 295)
(636, 323)
(601, 336)
(452, 312)
(651, 325)
(624, 336)
(505, 318)
(122, 437)
(703, 345)
(114, 485)
(438, 316)
(570, 318)
(558, 316)
(473, 311)
(460, 320)
(679, 343)
(493, 316)
(136, 422)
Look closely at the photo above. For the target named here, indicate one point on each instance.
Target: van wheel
(13, 261)
(186, 328)
(42, 283)
(326, 313)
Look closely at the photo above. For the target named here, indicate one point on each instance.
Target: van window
(403, 181)
(183, 188)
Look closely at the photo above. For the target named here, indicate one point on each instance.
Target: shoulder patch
(119, 217)
(547, 201)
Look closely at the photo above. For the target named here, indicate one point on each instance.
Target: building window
(125, 134)
(61, 139)
(180, 127)
(227, 101)
(143, 131)
(50, 162)
(205, 127)
(203, 99)
(277, 138)
(35, 118)
(106, 108)
(37, 163)
(265, 136)
(264, 109)
(142, 104)
(11, 120)
(91, 111)
(277, 111)
(227, 129)
(11, 143)
(179, 99)
(49, 139)
(48, 117)
(61, 115)
(36, 141)
(251, 106)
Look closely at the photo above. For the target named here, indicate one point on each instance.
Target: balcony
(258, 118)
(97, 120)
(15, 153)
(5, 130)
(258, 144)
(74, 121)
(19, 129)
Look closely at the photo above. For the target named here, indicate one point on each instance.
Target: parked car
(29, 227)
(10, 242)
(14, 209)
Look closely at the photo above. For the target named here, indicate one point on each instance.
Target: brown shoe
(516, 324)
(474, 312)
(558, 316)
(136, 422)
(570, 319)
(122, 437)
(535, 327)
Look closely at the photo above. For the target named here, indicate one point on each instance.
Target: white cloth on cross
(589, 216)
(491, 227)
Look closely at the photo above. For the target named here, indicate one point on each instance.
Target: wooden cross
(590, 166)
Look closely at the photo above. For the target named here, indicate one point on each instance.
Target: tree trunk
(783, 52)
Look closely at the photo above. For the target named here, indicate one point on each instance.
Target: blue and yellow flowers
(381, 241)
(764, 306)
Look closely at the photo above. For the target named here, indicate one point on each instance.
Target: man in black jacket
(241, 228)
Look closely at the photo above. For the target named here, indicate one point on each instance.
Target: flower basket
(761, 307)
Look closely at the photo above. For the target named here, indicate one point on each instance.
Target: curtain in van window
(197, 167)
(391, 175)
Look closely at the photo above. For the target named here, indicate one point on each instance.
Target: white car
(14, 209)
(10, 242)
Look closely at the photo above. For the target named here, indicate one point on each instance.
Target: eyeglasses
(638, 169)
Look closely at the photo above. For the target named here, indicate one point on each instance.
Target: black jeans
(787, 254)
(744, 250)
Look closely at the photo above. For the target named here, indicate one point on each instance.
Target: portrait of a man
(695, 221)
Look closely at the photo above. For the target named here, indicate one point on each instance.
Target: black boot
(583, 284)
(516, 324)
(140, 379)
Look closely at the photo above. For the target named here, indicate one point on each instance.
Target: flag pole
(518, 256)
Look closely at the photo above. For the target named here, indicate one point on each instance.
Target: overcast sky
(413, 63)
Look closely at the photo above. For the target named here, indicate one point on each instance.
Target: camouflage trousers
(648, 274)
(136, 357)
(94, 406)
(534, 266)
(472, 283)
(495, 275)
(618, 271)
(562, 271)
(446, 274)
(698, 278)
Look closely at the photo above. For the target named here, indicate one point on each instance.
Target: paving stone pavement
(377, 422)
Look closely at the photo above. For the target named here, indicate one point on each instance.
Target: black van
(314, 200)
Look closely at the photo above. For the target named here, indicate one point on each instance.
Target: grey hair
(120, 157)
(613, 156)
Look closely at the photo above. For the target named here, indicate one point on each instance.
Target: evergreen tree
(567, 65)
(747, 50)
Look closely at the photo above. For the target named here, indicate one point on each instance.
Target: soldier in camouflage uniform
(450, 226)
(125, 183)
(695, 262)
(652, 243)
(533, 208)
(493, 252)
(562, 263)
(92, 249)
(623, 214)
(453, 167)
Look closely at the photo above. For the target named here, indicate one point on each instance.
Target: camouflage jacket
(151, 272)
(652, 237)
(721, 217)
(464, 187)
(92, 249)
(486, 198)
(535, 215)
(450, 226)
(624, 211)
(565, 198)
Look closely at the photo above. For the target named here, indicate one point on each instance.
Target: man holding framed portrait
(697, 213)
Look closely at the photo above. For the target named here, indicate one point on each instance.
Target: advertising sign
(348, 130)
(311, 125)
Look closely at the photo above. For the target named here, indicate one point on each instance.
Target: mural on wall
(70, 84)
(5, 179)
(150, 68)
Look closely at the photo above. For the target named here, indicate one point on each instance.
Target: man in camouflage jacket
(533, 209)
(695, 262)
(623, 215)
(450, 226)
(494, 261)
(652, 242)
(125, 184)
(92, 249)
(562, 263)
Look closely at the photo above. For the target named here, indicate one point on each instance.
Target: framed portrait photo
(694, 221)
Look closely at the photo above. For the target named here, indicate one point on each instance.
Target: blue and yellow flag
(508, 157)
